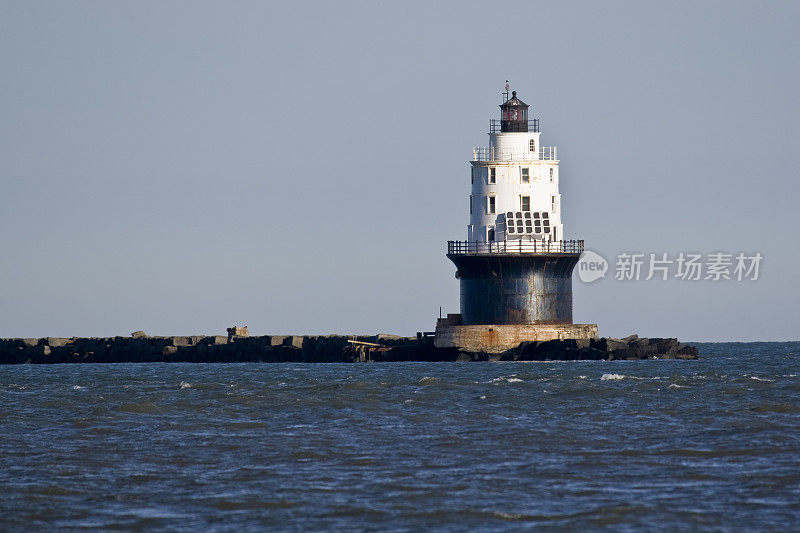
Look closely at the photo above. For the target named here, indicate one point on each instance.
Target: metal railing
(545, 153)
(514, 247)
(496, 126)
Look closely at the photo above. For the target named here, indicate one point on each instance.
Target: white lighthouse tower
(514, 183)
(515, 268)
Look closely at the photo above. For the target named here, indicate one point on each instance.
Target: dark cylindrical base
(515, 289)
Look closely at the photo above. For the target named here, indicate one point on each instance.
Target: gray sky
(181, 167)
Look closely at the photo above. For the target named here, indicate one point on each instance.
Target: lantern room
(514, 115)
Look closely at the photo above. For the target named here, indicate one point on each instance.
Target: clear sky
(181, 167)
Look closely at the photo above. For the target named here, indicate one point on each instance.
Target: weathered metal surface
(503, 289)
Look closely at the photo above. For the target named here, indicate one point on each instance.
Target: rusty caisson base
(515, 289)
(507, 299)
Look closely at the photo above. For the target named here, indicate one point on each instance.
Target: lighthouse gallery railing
(514, 247)
(484, 153)
(496, 126)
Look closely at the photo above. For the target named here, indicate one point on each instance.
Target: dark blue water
(692, 445)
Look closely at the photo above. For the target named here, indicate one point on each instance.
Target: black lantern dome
(514, 115)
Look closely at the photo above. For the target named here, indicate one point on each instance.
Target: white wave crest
(609, 377)
(508, 379)
(78, 387)
(186, 385)
(676, 386)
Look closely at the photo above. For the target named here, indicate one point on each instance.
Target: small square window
(526, 176)
(492, 175)
(525, 203)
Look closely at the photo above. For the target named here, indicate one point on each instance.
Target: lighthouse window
(470, 204)
(551, 175)
(490, 205)
(532, 145)
(472, 176)
(553, 203)
(525, 203)
(491, 235)
(492, 176)
(526, 177)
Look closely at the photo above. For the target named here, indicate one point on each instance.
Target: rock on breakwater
(629, 348)
(141, 348)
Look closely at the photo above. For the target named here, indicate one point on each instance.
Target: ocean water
(710, 445)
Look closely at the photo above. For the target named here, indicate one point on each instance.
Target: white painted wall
(510, 154)
(518, 144)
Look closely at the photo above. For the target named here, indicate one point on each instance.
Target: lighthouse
(515, 267)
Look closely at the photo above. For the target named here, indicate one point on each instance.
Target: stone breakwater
(141, 348)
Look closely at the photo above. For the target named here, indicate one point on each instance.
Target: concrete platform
(497, 338)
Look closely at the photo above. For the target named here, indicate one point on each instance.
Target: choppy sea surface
(712, 444)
